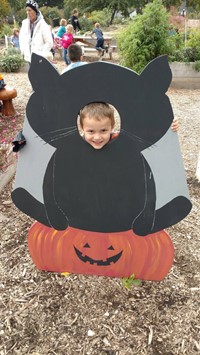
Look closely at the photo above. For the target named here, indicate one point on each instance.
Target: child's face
(69, 30)
(97, 133)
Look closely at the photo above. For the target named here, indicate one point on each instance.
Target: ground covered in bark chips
(45, 313)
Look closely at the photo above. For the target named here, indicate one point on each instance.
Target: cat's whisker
(57, 130)
(135, 138)
(63, 135)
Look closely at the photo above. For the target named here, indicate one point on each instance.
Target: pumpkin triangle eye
(111, 248)
(86, 245)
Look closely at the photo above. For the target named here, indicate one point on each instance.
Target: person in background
(100, 39)
(75, 55)
(62, 28)
(14, 39)
(75, 22)
(171, 30)
(66, 41)
(35, 34)
(53, 48)
(58, 35)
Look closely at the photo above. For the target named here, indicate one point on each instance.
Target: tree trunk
(113, 15)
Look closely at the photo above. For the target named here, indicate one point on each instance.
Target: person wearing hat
(35, 34)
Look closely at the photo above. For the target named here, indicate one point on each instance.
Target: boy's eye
(104, 130)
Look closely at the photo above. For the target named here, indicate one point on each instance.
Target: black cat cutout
(107, 190)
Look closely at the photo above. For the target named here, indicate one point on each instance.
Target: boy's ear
(81, 58)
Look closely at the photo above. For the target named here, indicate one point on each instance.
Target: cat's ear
(158, 74)
(42, 73)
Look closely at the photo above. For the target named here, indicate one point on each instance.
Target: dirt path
(45, 313)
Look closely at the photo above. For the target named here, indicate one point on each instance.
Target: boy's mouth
(97, 144)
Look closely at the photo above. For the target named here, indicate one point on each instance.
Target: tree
(140, 4)
(119, 6)
(194, 4)
(169, 3)
(89, 6)
(16, 5)
(4, 8)
(51, 3)
(146, 37)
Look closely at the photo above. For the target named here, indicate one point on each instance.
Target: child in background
(66, 41)
(62, 28)
(58, 35)
(53, 48)
(14, 39)
(100, 40)
(75, 55)
(74, 21)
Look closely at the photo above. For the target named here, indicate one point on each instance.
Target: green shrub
(86, 24)
(6, 29)
(190, 53)
(193, 41)
(184, 55)
(50, 13)
(196, 65)
(146, 37)
(11, 60)
(20, 15)
(103, 17)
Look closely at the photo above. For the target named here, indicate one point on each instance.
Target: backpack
(67, 39)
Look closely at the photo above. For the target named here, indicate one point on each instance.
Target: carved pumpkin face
(106, 254)
(99, 262)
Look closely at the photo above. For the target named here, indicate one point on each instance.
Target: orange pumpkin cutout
(118, 254)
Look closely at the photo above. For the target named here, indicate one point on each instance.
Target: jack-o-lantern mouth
(107, 262)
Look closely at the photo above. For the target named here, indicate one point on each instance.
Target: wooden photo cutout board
(101, 211)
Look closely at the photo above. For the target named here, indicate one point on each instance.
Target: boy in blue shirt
(100, 39)
(76, 57)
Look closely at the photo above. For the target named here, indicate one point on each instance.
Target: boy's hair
(15, 30)
(97, 25)
(97, 110)
(75, 52)
(63, 22)
(75, 11)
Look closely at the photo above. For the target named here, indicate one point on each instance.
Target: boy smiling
(97, 122)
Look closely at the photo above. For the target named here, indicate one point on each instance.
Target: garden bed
(184, 76)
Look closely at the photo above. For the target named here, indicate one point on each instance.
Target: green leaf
(127, 282)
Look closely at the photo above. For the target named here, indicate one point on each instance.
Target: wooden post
(198, 169)
(110, 52)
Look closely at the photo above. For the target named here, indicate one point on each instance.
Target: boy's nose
(97, 136)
